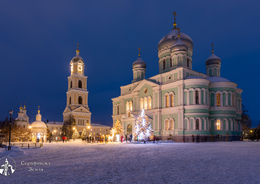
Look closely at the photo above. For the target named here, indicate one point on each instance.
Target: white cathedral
(182, 104)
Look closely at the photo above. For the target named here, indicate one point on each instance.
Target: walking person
(63, 138)
(130, 137)
(126, 138)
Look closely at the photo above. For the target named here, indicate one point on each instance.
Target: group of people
(126, 138)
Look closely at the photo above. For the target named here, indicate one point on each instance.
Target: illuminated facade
(22, 120)
(180, 102)
(77, 94)
(38, 129)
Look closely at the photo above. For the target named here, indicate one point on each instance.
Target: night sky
(39, 38)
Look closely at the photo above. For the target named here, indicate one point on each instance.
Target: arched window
(170, 62)
(130, 106)
(164, 64)
(80, 84)
(218, 124)
(210, 72)
(197, 124)
(224, 99)
(172, 100)
(167, 100)
(233, 100)
(129, 129)
(196, 97)
(117, 109)
(141, 103)
(69, 100)
(145, 103)
(127, 106)
(149, 102)
(212, 99)
(167, 125)
(80, 100)
(218, 99)
(188, 62)
(70, 84)
(172, 124)
(214, 72)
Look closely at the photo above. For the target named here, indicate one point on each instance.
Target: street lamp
(9, 147)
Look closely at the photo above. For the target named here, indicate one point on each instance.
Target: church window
(218, 124)
(149, 102)
(141, 103)
(212, 99)
(233, 100)
(129, 114)
(170, 62)
(87, 122)
(130, 106)
(80, 84)
(188, 62)
(117, 109)
(197, 124)
(167, 100)
(145, 103)
(80, 100)
(70, 101)
(164, 64)
(218, 99)
(70, 84)
(172, 124)
(172, 100)
(167, 125)
(210, 72)
(197, 97)
(127, 106)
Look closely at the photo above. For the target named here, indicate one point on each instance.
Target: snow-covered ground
(217, 162)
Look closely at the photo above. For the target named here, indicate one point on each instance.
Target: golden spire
(139, 52)
(174, 24)
(77, 51)
(38, 109)
(178, 32)
(212, 48)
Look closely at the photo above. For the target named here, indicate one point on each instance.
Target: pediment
(80, 109)
(144, 82)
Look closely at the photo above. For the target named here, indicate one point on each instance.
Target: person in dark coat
(130, 137)
(125, 138)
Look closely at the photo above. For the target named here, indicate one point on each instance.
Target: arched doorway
(129, 129)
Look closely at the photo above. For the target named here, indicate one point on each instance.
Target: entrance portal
(129, 129)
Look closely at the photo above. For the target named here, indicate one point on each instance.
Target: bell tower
(77, 94)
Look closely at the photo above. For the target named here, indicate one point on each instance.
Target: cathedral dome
(179, 46)
(139, 63)
(77, 58)
(213, 59)
(38, 123)
(217, 79)
(172, 37)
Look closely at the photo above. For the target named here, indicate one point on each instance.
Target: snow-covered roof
(96, 124)
(54, 123)
(218, 79)
(194, 77)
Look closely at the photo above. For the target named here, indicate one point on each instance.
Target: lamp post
(9, 147)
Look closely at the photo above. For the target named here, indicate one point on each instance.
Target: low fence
(24, 144)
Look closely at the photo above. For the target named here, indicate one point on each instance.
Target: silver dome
(172, 37)
(179, 46)
(213, 59)
(139, 63)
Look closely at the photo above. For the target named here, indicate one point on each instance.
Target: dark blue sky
(38, 39)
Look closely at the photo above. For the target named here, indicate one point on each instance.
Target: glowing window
(129, 114)
(130, 106)
(127, 106)
(141, 103)
(149, 102)
(172, 100)
(71, 68)
(145, 103)
(172, 124)
(218, 124)
(167, 125)
(218, 99)
(167, 100)
(80, 69)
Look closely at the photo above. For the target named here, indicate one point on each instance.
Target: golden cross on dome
(139, 51)
(38, 109)
(212, 48)
(174, 24)
(77, 46)
(178, 32)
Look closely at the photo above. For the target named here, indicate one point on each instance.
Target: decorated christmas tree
(83, 134)
(143, 127)
(75, 134)
(118, 128)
